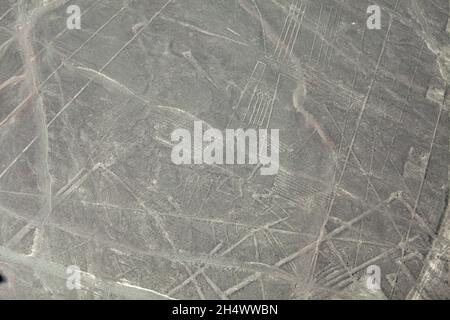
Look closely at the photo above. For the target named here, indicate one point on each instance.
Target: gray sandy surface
(86, 177)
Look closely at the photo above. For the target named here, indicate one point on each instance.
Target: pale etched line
(255, 243)
(215, 287)
(263, 113)
(300, 190)
(302, 193)
(12, 242)
(298, 30)
(301, 176)
(294, 181)
(288, 30)
(336, 281)
(256, 107)
(225, 252)
(181, 216)
(359, 242)
(6, 13)
(196, 273)
(367, 176)
(406, 271)
(350, 148)
(399, 174)
(328, 28)
(200, 69)
(254, 277)
(349, 109)
(403, 109)
(258, 65)
(251, 233)
(285, 30)
(325, 34)
(183, 257)
(340, 258)
(422, 182)
(233, 32)
(294, 33)
(263, 31)
(74, 184)
(303, 145)
(320, 76)
(57, 115)
(283, 147)
(59, 35)
(202, 31)
(420, 222)
(260, 110)
(365, 242)
(275, 93)
(286, 194)
(251, 103)
(320, 52)
(315, 34)
(183, 193)
(334, 37)
(17, 157)
(259, 80)
(283, 250)
(70, 183)
(84, 43)
(194, 186)
(372, 155)
(88, 280)
(137, 34)
(16, 110)
(247, 281)
(271, 208)
(327, 272)
(178, 255)
(101, 70)
(269, 239)
(5, 45)
(24, 194)
(258, 259)
(206, 196)
(435, 257)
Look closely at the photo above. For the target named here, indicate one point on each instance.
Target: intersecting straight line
(291, 8)
(85, 42)
(397, 125)
(25, 100)
(350, 147)
(6, 13)
(89, 82)
(229, 249)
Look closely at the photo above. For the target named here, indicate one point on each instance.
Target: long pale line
(87, 84)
